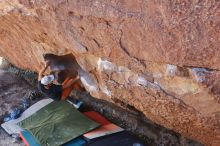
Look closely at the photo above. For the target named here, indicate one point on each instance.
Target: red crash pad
(97, 117)
(107, 127)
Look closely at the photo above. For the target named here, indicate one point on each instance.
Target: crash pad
(57, 123)
(107, 127)
(11, 126)
(97, 117)
(29, 140)
(117, 139)
(76, 142)
(103, 131)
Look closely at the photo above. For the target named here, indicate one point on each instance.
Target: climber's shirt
(54, 91)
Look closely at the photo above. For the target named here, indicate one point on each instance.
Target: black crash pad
(118, 139)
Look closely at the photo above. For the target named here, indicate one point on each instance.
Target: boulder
(159, 57)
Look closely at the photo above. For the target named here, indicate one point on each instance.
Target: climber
(62, 66)
(54, 91)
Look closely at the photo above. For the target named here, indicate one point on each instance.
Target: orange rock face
(160, 57)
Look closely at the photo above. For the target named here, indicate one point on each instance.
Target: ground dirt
(12, 91)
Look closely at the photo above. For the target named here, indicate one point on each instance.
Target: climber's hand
(47, 63)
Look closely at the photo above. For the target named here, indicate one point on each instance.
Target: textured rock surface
(161, 58)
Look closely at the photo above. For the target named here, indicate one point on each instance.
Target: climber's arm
(70, 82)
(41, 72)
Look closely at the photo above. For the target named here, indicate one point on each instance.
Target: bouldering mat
(57, 123)
(97, 117)
(29, 140)
(117, 139)
(11, 126)
(76, 142)
(107, 127)
(103, 131)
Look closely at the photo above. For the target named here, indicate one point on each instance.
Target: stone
(168, 52)
(4, 64)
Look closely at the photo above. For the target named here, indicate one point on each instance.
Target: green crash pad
(57, 123)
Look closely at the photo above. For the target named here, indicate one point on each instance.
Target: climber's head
(47, 80)
(49, 57)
